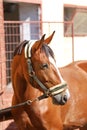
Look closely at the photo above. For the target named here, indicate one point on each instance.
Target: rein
(28, 102)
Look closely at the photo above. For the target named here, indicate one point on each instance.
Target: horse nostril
(65, 98)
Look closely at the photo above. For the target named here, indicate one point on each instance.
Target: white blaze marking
(62, 80)
(54, 63)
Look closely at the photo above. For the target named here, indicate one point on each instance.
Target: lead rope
(28, 102)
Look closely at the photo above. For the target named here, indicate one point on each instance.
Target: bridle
(47, 92)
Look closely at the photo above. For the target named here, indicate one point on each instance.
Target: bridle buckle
(32, 73)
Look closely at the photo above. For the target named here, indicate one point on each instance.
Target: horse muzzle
(60, 94)
(60, 99)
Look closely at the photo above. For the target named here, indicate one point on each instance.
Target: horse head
(42, 68)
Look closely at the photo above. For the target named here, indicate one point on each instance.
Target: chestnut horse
(37, 85)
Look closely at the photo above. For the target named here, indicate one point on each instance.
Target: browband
(28, 48)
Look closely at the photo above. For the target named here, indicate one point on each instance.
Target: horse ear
(48, 40)
(42, 39)
(38, 44)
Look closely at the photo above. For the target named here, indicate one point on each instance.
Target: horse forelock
(48, 51)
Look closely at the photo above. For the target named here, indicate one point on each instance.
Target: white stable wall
(52, 10)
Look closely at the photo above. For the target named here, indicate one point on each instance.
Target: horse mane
(19, 48)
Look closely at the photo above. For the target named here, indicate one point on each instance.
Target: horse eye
(44, 66)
